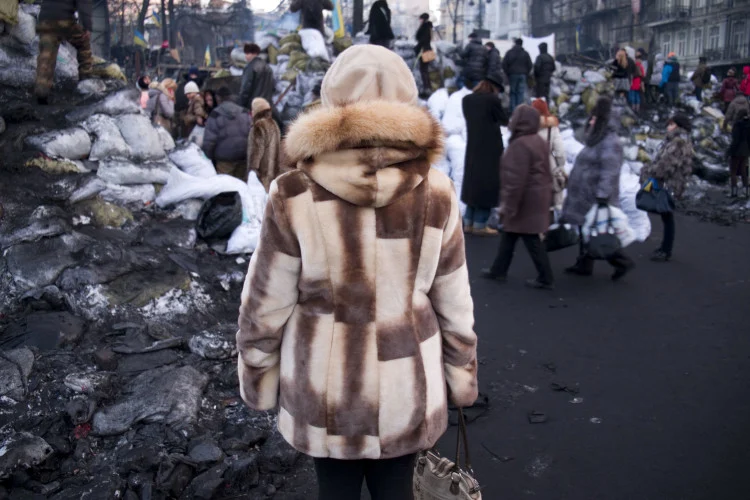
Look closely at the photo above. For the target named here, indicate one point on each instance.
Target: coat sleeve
(665, 74)
(268, 298)
(166, 106)
(537, 66)
(210, 137)
(529, 64)
(514, 175)
(450, 297)
(498, 112)
(84, 9)
(558, 148)
(610, 164)
(246, 86)
(255, 146)
(295, 6)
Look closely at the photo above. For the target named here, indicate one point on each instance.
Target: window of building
(682, 43)
(739, 34)
(514, 12)
(698, 42)
(666, 43)
(713, 38)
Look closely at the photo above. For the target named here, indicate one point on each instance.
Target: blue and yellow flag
(338, 20)
(207, 57)
(139, 39)
(157, 18)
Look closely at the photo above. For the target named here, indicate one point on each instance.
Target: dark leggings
(669, 229)
(424, 71)
(738, 168)
(389, 479)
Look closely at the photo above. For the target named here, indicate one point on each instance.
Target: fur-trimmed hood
(368, 153)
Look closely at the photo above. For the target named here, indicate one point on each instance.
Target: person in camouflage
(57, 23)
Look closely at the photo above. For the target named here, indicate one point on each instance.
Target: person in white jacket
(549, 130)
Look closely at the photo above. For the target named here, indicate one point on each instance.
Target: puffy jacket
(494, 63)
(227, 129)
(544, 67)
(674, 75)
(475, 60)
(618, 71)
(738, 103)
(699, 74)
(729, 89)
(166, 104)
(64, 10)
(658, 70)
(745, 85)
(379, 25)
(517, 61)
(674, 162)
(257, 81)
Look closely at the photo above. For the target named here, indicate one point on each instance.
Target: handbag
(437, 478)
(651, 198)
(604, 245)
(428, 56)
(562, 236)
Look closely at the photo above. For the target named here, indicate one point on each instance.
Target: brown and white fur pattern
(356, 315)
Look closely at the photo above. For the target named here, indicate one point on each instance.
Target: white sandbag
(126, 172)
(594, 77)
(629, 186)
(245, 238)
(437, 103)
(88, 189)
(126, 101)
(91, 87)
(192, 160)
(617, 219)
(453, 118)
(314, 44)
(109, 142)
(25, 29)
(189, 209)
(140, 135)
(165, 139)
(572, 146)
(196, 135)
(67, 63)
(139, 193)
(71, 144)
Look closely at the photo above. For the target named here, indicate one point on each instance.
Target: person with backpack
(701, 78)
(634, 96)
(544, 67)
(670, 79)
(729, 89)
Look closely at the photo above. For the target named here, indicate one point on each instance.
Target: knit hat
(682, 121)
(191, 88)
(368, 73)
(259, 105)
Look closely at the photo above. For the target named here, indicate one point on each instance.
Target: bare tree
(141, 24)
(453, 6)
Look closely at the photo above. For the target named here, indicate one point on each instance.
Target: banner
(338, 20)
(207, 57)
(156, 18)
(139, 40)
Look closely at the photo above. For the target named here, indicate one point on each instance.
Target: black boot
(584, 266)
(733, 192)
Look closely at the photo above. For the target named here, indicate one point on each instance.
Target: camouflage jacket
(674, 162)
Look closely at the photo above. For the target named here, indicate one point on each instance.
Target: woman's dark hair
(602, 111)
(486, 87)
(213, 97)
(142, 83)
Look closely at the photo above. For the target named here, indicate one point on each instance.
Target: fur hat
(682, 121)
(191, 88)
(259, 105)
(368, 73)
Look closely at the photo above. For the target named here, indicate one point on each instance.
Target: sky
(263, 5)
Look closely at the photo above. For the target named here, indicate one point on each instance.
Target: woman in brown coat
(526, 196)
(263, 144)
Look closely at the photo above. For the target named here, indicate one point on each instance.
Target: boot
(733, 192)
(584, 266)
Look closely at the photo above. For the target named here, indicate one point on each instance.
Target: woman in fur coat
(549, 130)
(263, 144)
(356, 316)
(595, 180)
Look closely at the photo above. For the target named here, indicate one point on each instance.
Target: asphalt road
(661, 361)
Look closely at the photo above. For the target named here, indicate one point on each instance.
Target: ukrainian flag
(139, 39)
(338, 20)
(207, 57)
(157, 18)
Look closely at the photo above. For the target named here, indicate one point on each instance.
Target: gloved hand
(602, 202)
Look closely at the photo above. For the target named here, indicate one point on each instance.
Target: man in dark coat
(312, 13)
(494, 61)
(544, 67)
(517, 65)
(257, 81)
(484, 115)
(225, 138)
(474, 58)
(379, 24)
(57, 23)
(424, 44)
(526, 196)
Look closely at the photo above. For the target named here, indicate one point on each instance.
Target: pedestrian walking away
(494, 62)
(672, 169)
(225, 138)
(57, 23)
(549, 131)
(526, 182)
(379, 24)
(595, 180)
(730, 87)
(160, 106)
(484, 115)
(356, 316)
(738, 104)
(544, 68)
(517, 65)
(264, 144)
(424, 46)
(738, 153)
(634, 96)
(670, 79)
(475, 59)
(701, 78)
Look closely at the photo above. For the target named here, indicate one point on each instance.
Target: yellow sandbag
(9, 11)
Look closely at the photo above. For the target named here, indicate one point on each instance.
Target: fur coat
(263, 149)
(549, 131)
(673, 164)
(356, 316)
(196, 109)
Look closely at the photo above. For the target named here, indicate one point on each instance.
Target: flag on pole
(139, 39)
(338, 20)
(157, 18)
(207, 57)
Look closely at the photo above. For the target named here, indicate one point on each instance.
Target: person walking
(424, 45)
(544, 68)
(356, 317)
(526, 198)
(729, 89)
(484, 115)
(379, 24)
(672, 168)
(549, 130)
(738, 153)
(264, 144)
(701, 78)
(621, 73)
(196, 112)
(56, 24)
(634, 96)
(595, 180)
(739, 103)
(517, 65)
(474, 57)
(225, 138)
(670, 79)
(160, 105)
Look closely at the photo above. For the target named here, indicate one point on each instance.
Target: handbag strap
(462, 435)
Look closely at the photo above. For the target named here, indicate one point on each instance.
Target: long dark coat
(484, 114)
(526, 176)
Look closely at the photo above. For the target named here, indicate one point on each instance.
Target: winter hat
(191, 88)
(368, 73)
(193, 70)
(671, 55)
(682, 121)
(259, 105)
